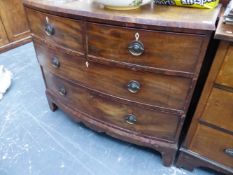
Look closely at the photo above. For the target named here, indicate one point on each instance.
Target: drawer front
(219, 109)
(162, 50)
(225, 76)
(142, 87)
(141, 121)
(57, 30)
(214, 145)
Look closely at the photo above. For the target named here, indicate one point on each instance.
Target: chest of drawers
(128, 74)
(209, 142)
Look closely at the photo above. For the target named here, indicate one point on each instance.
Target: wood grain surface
(87, 67)
(157, 90)
(211, 130)
(211, 143)
(68, 33)
(226, 73)
(162, 50)
(3, 35)
(218, 109)
(149, 123)
(14, 19)
(163, 16)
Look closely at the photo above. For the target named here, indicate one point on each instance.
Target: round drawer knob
(131, 119)
(136, 48)
(229, 152)
(62, 91)
(49, 29)
(134, 86)
(55, 62)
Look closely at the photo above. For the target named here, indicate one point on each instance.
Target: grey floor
(34, 140)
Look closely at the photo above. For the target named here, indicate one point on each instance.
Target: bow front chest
(128, 74)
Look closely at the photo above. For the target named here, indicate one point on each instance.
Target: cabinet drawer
(163, 50)
(134, 119)
(225, 76)
(214, 145)
(141, 87)
(219, 109)
(57, 30)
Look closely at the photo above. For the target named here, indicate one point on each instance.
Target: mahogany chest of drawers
(128, 74)
(209, 142)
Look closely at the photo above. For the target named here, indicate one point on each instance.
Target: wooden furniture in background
(209, 142)
(14, 29)
(3, 36)
(128, 74)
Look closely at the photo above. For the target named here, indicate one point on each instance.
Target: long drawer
(142, 87)
(57, 30)
(213, 144)
(219, 109)
(134, 119)
(158, 49)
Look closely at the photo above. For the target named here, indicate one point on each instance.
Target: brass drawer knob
(62, 91)
(134, 86)
(55, 62)
(136, 48)
(131, 119)
(49, 29)
(229, 151)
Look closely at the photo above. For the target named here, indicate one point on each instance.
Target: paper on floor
(5, 80)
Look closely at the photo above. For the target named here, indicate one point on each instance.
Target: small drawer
(162, 50)
(225, 76)
(57, 30)
(219, 109)
(134, 119)
(142, 87)
(213, 144)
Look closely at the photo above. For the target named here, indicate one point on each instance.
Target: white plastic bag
(5, 80)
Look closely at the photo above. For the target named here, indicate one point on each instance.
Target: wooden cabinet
(209, 142)
(14, 29)
(131, 76)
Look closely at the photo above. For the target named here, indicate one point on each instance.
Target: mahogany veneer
(128, 74)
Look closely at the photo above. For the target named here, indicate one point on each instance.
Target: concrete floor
(34, 140)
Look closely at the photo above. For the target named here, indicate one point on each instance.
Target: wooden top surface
(167, 16)
(224, 31)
